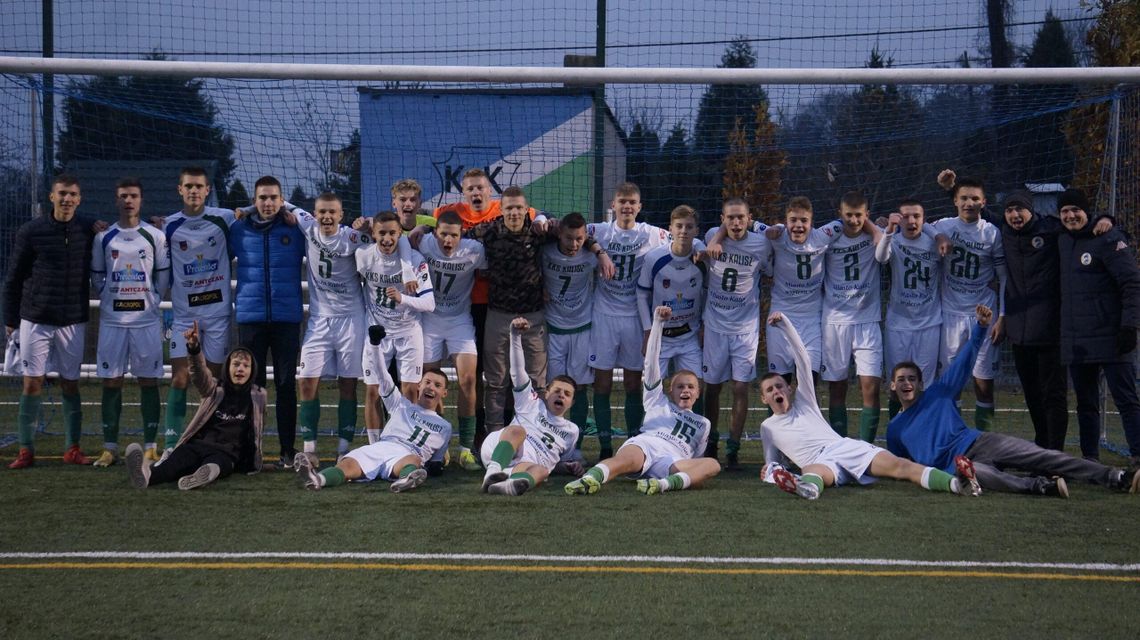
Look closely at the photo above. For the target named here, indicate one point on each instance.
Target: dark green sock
(73, 418)
(333, 477)
(467, 431)
(893, 406)
(503, 454)
(938, 480)
(580, 409)
(603, 418)
(407, 470)
(868, 423)
(634, 412)
(596, 474)
(675, 482)
(151, 409)
(346, 419)
(112, 407)
(308, 417)
(175, 415)
(837, 416)
(732, 446)
(29, 411)
(812, 478)
(984, 416)
(522, 475)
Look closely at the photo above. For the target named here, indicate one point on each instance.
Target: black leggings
(186, 459)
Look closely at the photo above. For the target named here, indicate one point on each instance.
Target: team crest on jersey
(1037, 242)
(142, 254)
(183, 246)
(692, 282)
(212, 241)
(114, 254)
(1086, 259)
(665, 283)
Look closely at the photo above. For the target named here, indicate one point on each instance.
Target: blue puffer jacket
(268, 270)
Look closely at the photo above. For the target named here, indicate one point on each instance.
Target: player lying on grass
(664, 456)
(930, 431)
(225, 433)
(797, 431)
(540, 435)
(414, 437)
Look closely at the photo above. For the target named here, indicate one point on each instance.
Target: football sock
(936, 480)
(837, 416)
(603, 418)
(503, 454)
(308, 417)
(868, 423)
(346, 422)
(813, 478)
(112, 407)
(525, 477)
(984, 416)
(676, 482)
(29, 409)
(732, 446)
(73, 418)
(332, 477)
(467, 432)
(580, 409)
(175, 415)
(634, 412)
(599, 472)
(407, 469)
(151, 409)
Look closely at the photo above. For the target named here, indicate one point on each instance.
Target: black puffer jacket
(1033, 290)
(49, 273)
(1100, 294)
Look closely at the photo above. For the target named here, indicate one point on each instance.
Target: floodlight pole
(600, 117)
(48, 96)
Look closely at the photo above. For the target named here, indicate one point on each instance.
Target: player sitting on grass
(414, 436)
(798, 432)
(224, 434)
(540, 435)
(664, 456)
(929, 430)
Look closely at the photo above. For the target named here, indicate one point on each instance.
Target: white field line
(631, 559)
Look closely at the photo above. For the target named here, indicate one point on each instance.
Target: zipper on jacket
(265, 262)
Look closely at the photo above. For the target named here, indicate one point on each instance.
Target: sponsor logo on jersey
(128, 305)
(129, 274)
(204, 298)
(199, 265)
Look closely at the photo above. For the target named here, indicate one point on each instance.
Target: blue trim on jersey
(107, 237)
(170, 229)
(658, 266)
(420, 293)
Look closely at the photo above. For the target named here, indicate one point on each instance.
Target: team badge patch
(114, 254)
(1037, 242)
(1086, 259)
(183, 246)
(665, 283)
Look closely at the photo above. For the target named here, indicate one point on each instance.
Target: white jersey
(798, 272)
(548, 436)
(422, 432)
(916, 273)
(851, 283)
(802, 433)
(970, 266)
(627, 249)
(454, 275)
(733, 304)
(675, 282)
(334, 286)
(685, 432)
(128, 267)
(569, 284)
(200, 263)
(380, 271)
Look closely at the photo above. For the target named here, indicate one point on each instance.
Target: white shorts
(956, 334)
(659, 456)
(524, 453)
(919, 346)
(780, 358)
(332, 347)
(407, 349)
(729, 357)
(213, 333)
(377, 460)
(567, 354)
(138, 347)
(683, 352)
(46, 348)
(848, 459)
(447, 336)
(615, 341)
(842, 341)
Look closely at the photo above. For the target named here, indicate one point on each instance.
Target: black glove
(376, 334)
(1125, 340)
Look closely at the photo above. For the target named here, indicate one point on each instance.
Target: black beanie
(1019, 198)
(1074, 198)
